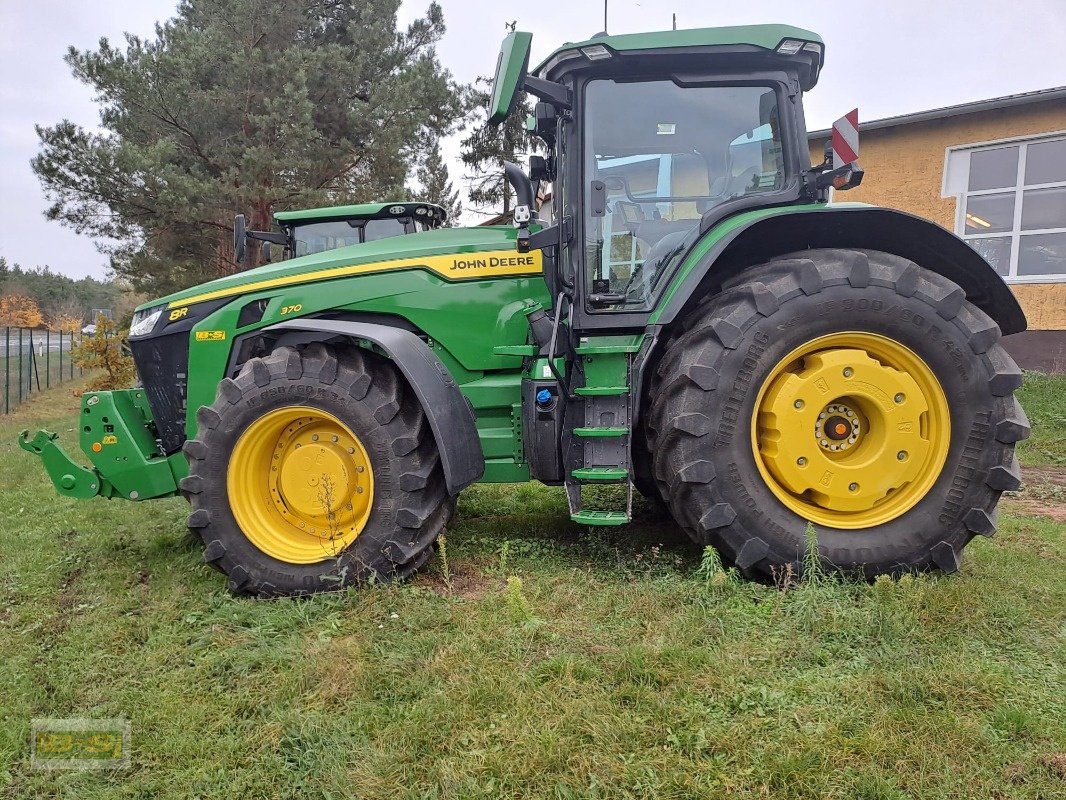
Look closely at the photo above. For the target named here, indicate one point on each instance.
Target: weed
(715, 578)
(445, 568)
(518, 605)
(504, 553)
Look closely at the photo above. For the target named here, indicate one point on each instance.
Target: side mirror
(544, 119)
(539, 169)
(240, 228)
(264, 255)
(512, 76)
(511, 69)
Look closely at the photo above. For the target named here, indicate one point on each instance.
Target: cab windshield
(657, 157)
(317, 237)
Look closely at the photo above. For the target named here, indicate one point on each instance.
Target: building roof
(977, 106)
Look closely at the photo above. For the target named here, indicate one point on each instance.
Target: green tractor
(319, 229)
(691, 318)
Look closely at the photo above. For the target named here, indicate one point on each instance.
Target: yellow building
(994, 172)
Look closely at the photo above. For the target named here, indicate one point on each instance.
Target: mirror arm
(268, 236)
(549, 91)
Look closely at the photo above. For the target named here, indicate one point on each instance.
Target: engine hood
(331, 263)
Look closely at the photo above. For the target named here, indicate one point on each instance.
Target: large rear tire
(849, 389)
(314, 470)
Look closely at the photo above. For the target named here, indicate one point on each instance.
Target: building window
(1012, 205)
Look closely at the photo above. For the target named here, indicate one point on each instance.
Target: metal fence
(34, 360)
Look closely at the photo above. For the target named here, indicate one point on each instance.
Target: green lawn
(544, 660)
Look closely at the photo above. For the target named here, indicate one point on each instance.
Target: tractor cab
(652, 138)
(317, 230)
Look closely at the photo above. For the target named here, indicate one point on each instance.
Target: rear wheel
(848, 389)
(312, 471)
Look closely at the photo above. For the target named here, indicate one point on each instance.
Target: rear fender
(450, 416)
(854, 227)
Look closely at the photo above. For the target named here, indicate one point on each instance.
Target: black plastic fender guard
(450, 416)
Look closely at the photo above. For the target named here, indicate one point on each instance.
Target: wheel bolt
(358, 489)
(899, 398)
(351, 450)
(854, 487)
(801, 461)
(333, 438)
(902, 455)
(848, 372)
(359, 469)
(314, 437)
(297, 446)
(825, 443)
(798, 404)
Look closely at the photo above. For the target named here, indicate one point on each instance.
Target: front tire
(314, 470)
(862, 345)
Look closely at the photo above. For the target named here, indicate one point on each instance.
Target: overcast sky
(886, 58)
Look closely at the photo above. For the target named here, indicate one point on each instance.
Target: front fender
(450, 416)
(755, 237)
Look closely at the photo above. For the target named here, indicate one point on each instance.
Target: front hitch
(70, 479)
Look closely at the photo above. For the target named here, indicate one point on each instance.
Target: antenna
(605, 16)
(675, 21)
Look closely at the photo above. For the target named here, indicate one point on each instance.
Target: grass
(542, 660)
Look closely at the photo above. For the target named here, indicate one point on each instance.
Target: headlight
(144, 321)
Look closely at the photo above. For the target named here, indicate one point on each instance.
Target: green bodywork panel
(358, 211)
(510, 69)
(309, 268)
(767, 37)
(723, 229)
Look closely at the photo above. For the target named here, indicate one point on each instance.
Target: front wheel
(315, 469)
(851, 390)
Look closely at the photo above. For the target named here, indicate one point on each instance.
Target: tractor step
(586, 517)
(601, 473)
(613, 430)
(605, 349)
(601, 391)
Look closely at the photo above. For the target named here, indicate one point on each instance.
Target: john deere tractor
(318, 229)
(691, 318)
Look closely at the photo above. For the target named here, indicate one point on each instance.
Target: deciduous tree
(103, 352)
(20, 311)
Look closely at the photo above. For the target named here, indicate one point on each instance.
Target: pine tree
(486, 148)
(243, 106)
(437, 186)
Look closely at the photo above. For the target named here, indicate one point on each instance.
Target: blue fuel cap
(544, 397)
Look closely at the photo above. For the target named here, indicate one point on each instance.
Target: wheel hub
(850, 430)
(300, 484)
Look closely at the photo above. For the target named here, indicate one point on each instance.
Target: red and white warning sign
(846, 139)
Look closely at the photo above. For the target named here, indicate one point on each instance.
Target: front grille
(162, 362)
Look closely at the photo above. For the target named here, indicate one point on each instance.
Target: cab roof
(737, 38)
(418, 210)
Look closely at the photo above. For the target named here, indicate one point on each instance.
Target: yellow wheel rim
(300, 484)
(851, 430)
